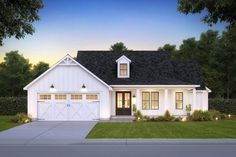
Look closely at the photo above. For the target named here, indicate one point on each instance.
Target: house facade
(101, 84)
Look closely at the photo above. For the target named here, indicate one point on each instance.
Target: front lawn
(5, 123)
(211, 129)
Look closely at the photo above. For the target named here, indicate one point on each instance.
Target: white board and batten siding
(68, 79)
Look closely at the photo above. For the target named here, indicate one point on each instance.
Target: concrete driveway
(47, 133)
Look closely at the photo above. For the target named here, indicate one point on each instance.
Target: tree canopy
(216, 10)
(39, 68)
(118, 47)
(17, 16)
(216, 55)
(16, 72)
(168, 48)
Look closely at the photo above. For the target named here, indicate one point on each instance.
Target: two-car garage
(68, 92)
(68, 106)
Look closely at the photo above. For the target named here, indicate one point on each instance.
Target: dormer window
(123, 67)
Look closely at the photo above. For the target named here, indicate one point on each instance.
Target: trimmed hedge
(13, 105)
(223, 105)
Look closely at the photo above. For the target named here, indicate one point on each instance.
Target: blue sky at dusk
(70, 25)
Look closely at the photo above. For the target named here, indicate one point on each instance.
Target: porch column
(194, 99)
(166, 107)
(138, 99)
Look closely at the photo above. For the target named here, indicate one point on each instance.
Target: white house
(101, 84)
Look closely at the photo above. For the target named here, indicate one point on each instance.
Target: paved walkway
(47, 133)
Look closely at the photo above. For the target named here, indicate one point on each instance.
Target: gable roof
(146, 68)
(123, 57)
(66, 60)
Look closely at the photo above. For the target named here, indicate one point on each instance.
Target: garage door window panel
(60, 96)
(76, 97)
(45, 96)
(92, 97)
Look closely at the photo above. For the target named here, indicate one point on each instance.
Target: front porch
(155, 100)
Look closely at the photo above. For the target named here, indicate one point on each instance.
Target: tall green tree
(118, 47)
(187, 50)
(14, 74)
(17, 16)
(168, 48)
(216, 10)
(39, 68)
(226, 57)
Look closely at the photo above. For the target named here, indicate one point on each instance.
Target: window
(76, 96)
(45, 97)
(91, 97)
(60, 96)
(145, 100)
(154, 100)
(150, 100)
(123, 69)
(179, 100)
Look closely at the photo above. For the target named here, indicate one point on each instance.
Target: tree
(226, 57)
(17, 16)
(187, 50)
(168, 48)
(39, 68)
(14, 74)
(217, 10)
(118, 47)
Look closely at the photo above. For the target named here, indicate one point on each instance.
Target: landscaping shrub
(138, 115)
(223, 105)
(13, 105)
(177, 119)
(216, 114)
(199, 115)
(21, 118)
(168, 117)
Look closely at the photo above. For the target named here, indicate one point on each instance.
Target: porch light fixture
(52, 88)
(229, 115)
(134, 96)
(216, 118)
(83, 89)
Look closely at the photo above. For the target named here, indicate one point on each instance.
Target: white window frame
(150, 100)
(123, 60)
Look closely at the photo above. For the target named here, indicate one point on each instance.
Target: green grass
(5, 123)
(212, 129)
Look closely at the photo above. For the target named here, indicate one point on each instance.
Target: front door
(123, 103)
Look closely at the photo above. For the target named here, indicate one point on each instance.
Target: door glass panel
(119, 100)
(60, 96)
(127, 100)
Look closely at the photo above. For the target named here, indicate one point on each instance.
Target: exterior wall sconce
(52, 88)
(83, 89)
(134, 96)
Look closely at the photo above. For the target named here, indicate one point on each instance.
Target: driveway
(42, 132)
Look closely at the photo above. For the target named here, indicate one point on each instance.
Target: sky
(67, 26)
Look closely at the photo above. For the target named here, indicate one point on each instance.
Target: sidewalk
(160, 141)
(121, 142)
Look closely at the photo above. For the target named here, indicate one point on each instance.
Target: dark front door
(123, 103)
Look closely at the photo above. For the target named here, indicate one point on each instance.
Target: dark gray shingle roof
(146, 68)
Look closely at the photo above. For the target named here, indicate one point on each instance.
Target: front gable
(66, 75)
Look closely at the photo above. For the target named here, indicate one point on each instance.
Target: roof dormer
(123, 67)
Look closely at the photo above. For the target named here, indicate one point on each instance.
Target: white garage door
(64, 106)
